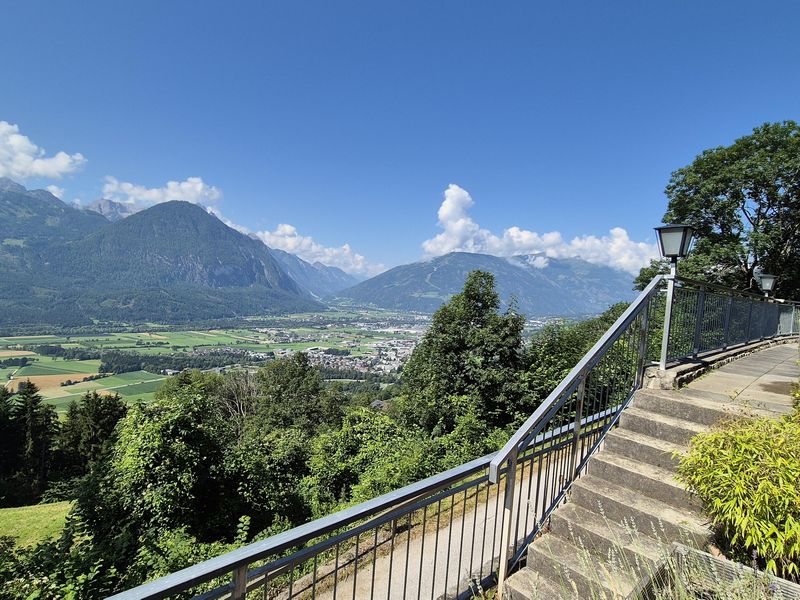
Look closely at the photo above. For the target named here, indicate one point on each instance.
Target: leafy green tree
(470, 350)
(744, 202)
(370, 454)
(289, 394)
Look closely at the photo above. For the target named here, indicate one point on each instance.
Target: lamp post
(674, 242)
(767, 283)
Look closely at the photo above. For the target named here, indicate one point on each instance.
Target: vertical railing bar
(485, 528)
(494, 533)
(336, 572)
(508, 509)
(374, 564)
(643, 343)
(528, 496)
(435, 548)
(422, 550)
(355, 567)
(291, 579)
(474, 525)
(576, 432)
(393, 533)
(314, 579)
(461, 543)
(449, 541)
(698, 325)
(239, 581)
(408, 550)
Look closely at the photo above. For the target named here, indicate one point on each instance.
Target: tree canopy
(744, 202)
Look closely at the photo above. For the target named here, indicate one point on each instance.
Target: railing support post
(508, 524)
(726, 323)
(643, 341)
(239, 583)
(662, 364)
(698, 326)
(576, 428)
(749, 321)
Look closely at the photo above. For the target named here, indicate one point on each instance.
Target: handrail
(727, 290)
(588, 360)
(230, 561)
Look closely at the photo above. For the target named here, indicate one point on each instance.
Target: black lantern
(674, 241)
(767, 282)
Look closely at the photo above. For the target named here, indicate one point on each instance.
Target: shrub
(746, 473)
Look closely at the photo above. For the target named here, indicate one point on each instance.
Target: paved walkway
(761, 380)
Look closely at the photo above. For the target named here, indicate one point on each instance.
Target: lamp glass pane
(671, 241)
(687, 241)
(767, 282)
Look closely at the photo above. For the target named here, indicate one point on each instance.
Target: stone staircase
(628, 505)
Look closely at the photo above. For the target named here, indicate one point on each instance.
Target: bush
(746, 473)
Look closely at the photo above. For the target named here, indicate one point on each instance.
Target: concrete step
(527, 584)
(698, 410)
(663, 427)
(576, 572)
(649, 516)
(644, 448)
(645, 479)
(610, 541)
(772, 408)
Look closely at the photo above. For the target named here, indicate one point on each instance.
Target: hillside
(542, 287)
(174, 262)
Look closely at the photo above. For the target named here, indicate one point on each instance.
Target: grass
(33, 524)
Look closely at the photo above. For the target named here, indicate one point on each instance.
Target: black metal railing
(707, 318)
(466, 528)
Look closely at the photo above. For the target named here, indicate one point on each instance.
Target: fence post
(749, 321)
(667, 317)
(508, 526)
(576, 429)
(643, 344)
(726, 323)
(698, 326)
(239, 583)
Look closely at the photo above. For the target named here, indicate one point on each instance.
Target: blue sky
(347, 122)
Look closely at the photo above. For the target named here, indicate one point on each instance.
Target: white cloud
(286, 237)
(462, 234)
(58, 192)
(192, 189)
(21, 159)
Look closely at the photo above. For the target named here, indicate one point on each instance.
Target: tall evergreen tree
(470, 360)
(38, 425)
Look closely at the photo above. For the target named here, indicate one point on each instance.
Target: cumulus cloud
(462, 234)
(286, 237)
(21, 159)
(192, 189)
(58, 192)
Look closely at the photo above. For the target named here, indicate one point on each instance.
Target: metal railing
(466, 528)
(706, 318)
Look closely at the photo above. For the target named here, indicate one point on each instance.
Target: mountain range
(175, 262)
(539, 285)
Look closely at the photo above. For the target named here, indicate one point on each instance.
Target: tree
(87, 432)
(38, 425)
(470, 351)
(9, 445)
(289, 394)
(744, 202)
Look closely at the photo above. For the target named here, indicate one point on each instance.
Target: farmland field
(362, 340)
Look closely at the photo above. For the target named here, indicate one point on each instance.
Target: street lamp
(767, 282)
(674, 242)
